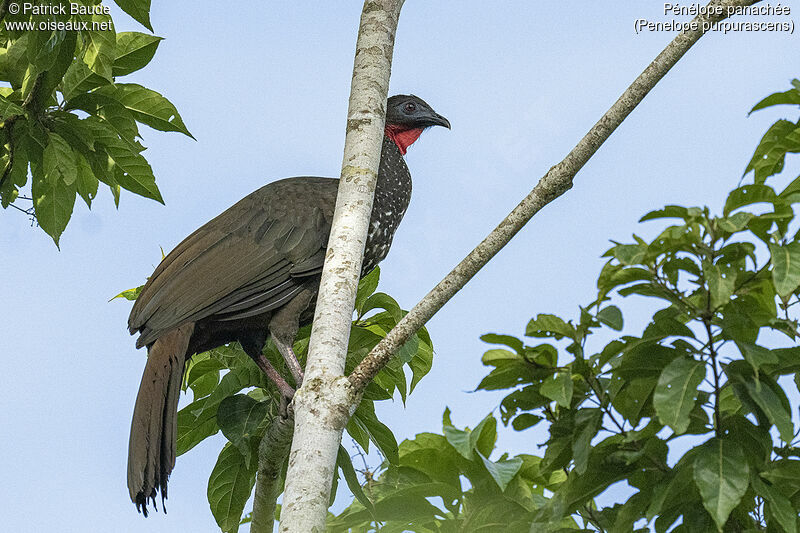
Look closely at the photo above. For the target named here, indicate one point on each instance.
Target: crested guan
(251, 272)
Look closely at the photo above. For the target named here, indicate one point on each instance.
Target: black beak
(439, 120)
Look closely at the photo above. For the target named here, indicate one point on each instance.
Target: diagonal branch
(556, 182)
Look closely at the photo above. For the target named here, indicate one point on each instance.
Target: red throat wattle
(402, 137)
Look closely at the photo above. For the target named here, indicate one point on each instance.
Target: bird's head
(406, 118)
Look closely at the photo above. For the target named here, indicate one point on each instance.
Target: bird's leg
(252, 346)
(285, 389)
(286, 351)
(283, 326)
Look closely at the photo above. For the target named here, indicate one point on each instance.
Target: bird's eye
(410, 107)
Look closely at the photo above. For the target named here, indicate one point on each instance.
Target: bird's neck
(393, 187)
(402, 136)
(392, 196)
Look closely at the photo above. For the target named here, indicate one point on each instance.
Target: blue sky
(263, 87)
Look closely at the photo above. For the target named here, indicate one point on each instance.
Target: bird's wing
(250, 259)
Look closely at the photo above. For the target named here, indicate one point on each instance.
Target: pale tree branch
(556, 182)
(325, 402)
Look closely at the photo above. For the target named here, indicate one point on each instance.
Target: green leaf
(366, 287)
(558, 388)
(59, 161)
(80, 79)
(785, 267)
(52, 203)
(676, 392)
(14, 61)
(239, 417)
(135, 173)
(42, 49)
(721, 474)
(482, 439)
(116, 120)
(721, 284)
(781, 138)
(506, 340)
(764, 393)
(644, 360)
(633, 400)
(736, 222)
(545, 325)
(458, 439)
(613, 275)
(147, 106)
(792, 97)
(747, 195)
(587, 423)
(628, 254)
(611, 316)
(784, 473)
(195, 424)
(87, 182)
(9, 108)
(99, 55)
(524, 421)
(779, 505)
(377, 431)
(669, 211)
(130, 294)
(133, 51)
(421, 363)
(346, 466)
(502, 471)
(229, 488)
(757, 355)
(138, 9)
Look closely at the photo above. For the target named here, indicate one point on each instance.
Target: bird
(251, 273)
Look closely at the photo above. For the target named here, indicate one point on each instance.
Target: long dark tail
(151, 451)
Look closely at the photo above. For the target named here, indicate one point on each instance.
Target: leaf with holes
(785, 267)
(676, 392)
(558, 388)
(747, 195)
(147, 106)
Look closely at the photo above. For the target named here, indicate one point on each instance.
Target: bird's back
(249, 257)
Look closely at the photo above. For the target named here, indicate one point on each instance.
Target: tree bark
(325, 402)
(556, 182)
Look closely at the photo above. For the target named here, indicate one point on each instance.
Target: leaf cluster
(692, 415)
(447, 483)
(66, 122)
